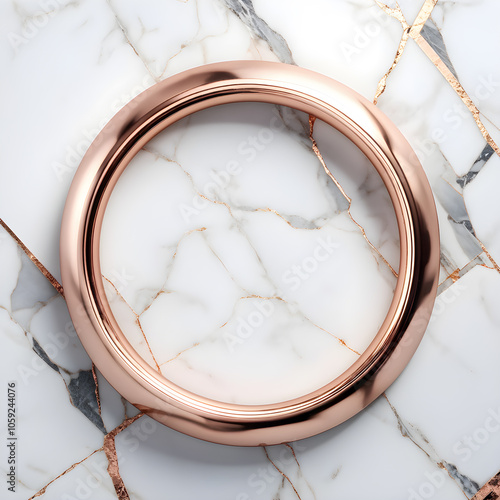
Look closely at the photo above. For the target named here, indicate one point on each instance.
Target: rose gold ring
(342, 108)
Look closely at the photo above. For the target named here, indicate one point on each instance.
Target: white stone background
(191, 281)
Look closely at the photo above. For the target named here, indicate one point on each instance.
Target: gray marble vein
(454, 204)
(417, 437)
(433, 36)
(245, 10)
(82, 390)
(43, 355)
(31, 294)
(478, 164)
(469, 487)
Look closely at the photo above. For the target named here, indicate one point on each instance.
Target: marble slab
(234, 264)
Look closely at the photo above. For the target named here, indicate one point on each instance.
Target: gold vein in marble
(457, 87)
(33, 259)
(137, 320)
(394, 12)
(415, 34)
(189, 176)
(457, 274)
(397, 14)
(275, 212)
(312, 120)
(124, 404)
(42, 491)
(96, 383)
(422, 17)
(109, 448)
(285, 477)
(196, 344)
(495, 265)
(180, 353)
(382, 84)
(485, 251)
(267, 209)
(281, 299)
(160, 292)
(290, 447)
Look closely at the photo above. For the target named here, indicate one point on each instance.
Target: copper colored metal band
(408, 315)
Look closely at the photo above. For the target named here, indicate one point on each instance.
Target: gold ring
(401, 331)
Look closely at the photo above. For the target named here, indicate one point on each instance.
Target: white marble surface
(190, 265)
(256, 276)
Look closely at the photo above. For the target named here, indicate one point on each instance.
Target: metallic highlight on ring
(407, 318)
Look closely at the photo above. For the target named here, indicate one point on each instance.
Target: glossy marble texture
(235, 264)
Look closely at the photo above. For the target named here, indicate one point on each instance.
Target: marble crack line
(397, 14)
(230, 212)
(97, 396)
(137, 319)
(194, 40)
(283, 217)
(382, 84)
(468, 220)
(191, 180)
(180, 353)
(275, 212)
(60, 290)
(416, 35)
(160, 292)
(211, 335)
(124, 404)
(467, 486)
(37, 308)
(270, 210)
(123, 29)
(422, 17)
(413, 31)
(109, 448)
(284, 476)
(245, 11)
(290, 447)
(457, 87)
(216, 255)
(259, 209)
(33, 259)
(317, 152)
(42, 491)
(38, 349)
(183, 44)
(169, 269)
(493, 262)
(341, 341)
(459, 273)
(281, 299)
(338, 339)
(471, 229)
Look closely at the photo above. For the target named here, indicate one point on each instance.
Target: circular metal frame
(398, 337)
